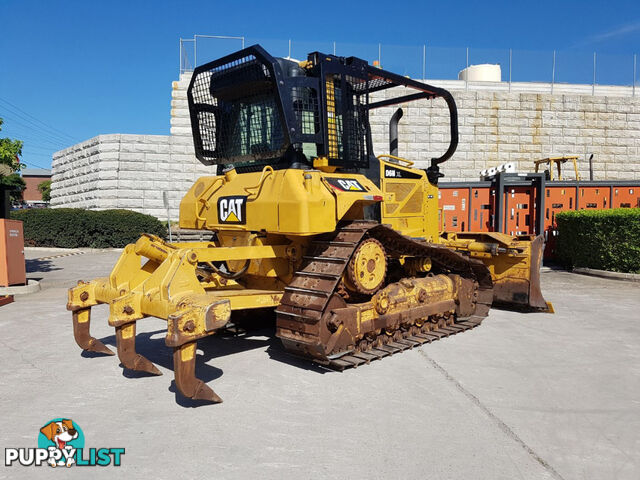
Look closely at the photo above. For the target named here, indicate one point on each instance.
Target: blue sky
(71, 69)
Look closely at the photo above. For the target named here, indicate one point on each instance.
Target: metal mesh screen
(305, 109)
(236, 113)
(347, 130)
(373, 84)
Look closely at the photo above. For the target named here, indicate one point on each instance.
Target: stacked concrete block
(498, 123)
(76, 175)
(122, 171)
(498, 127)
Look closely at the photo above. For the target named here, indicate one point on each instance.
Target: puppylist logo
(61, 444)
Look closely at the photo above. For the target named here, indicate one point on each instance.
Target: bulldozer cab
(250, 109)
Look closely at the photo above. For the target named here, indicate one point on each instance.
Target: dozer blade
(519, 285)
(536, 300)
(81, 324)
(126, 342)
(514, 263)
(184, 365)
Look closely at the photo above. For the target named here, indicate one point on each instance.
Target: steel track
(308, 298)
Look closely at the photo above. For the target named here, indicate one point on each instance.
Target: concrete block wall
(498, 123)
(131, 171)
(497, 127)
(123, 171)
(75, 175)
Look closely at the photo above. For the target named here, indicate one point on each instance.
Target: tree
(10, 150)
(16, 185)
(45, 190)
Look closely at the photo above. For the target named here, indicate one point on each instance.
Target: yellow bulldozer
(345, 246)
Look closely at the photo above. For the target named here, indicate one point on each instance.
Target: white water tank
(485, 72)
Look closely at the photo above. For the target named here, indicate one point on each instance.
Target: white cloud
(616, 32)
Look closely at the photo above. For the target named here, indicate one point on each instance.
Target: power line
(40, 142)
(34, 134)
(36, 130)
(29, 140)
(14, 117)
(35, 165)
(38, 120)
(32, 126)
(22, 162)
(43, 155)
(38, 147)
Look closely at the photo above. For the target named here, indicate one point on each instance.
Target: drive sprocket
(367, 268)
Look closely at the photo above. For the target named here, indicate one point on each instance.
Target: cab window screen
(255, 130)
(236, 112)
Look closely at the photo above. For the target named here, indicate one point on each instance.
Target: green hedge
(75, 227)
(601, 239)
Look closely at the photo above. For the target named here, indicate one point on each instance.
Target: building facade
(32, 178)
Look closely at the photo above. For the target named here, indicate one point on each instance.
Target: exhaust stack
(393, 132)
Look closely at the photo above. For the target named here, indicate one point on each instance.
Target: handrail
(425, 91)
(400, 159)
(203, 201)
(453, 123)
(266, 171)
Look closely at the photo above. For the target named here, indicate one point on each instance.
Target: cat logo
(346, 184)
(232, 210)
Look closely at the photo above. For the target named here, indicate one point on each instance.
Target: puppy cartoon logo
(232, 209)
(58, 433)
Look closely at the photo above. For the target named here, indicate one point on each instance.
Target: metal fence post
(593, 86)
(635, 69)
(165, 200)
(553, 71)
(224, 37)
(510, 53)
(466, 73)
(185, 64)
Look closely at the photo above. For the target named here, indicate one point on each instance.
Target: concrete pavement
(522, 396)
